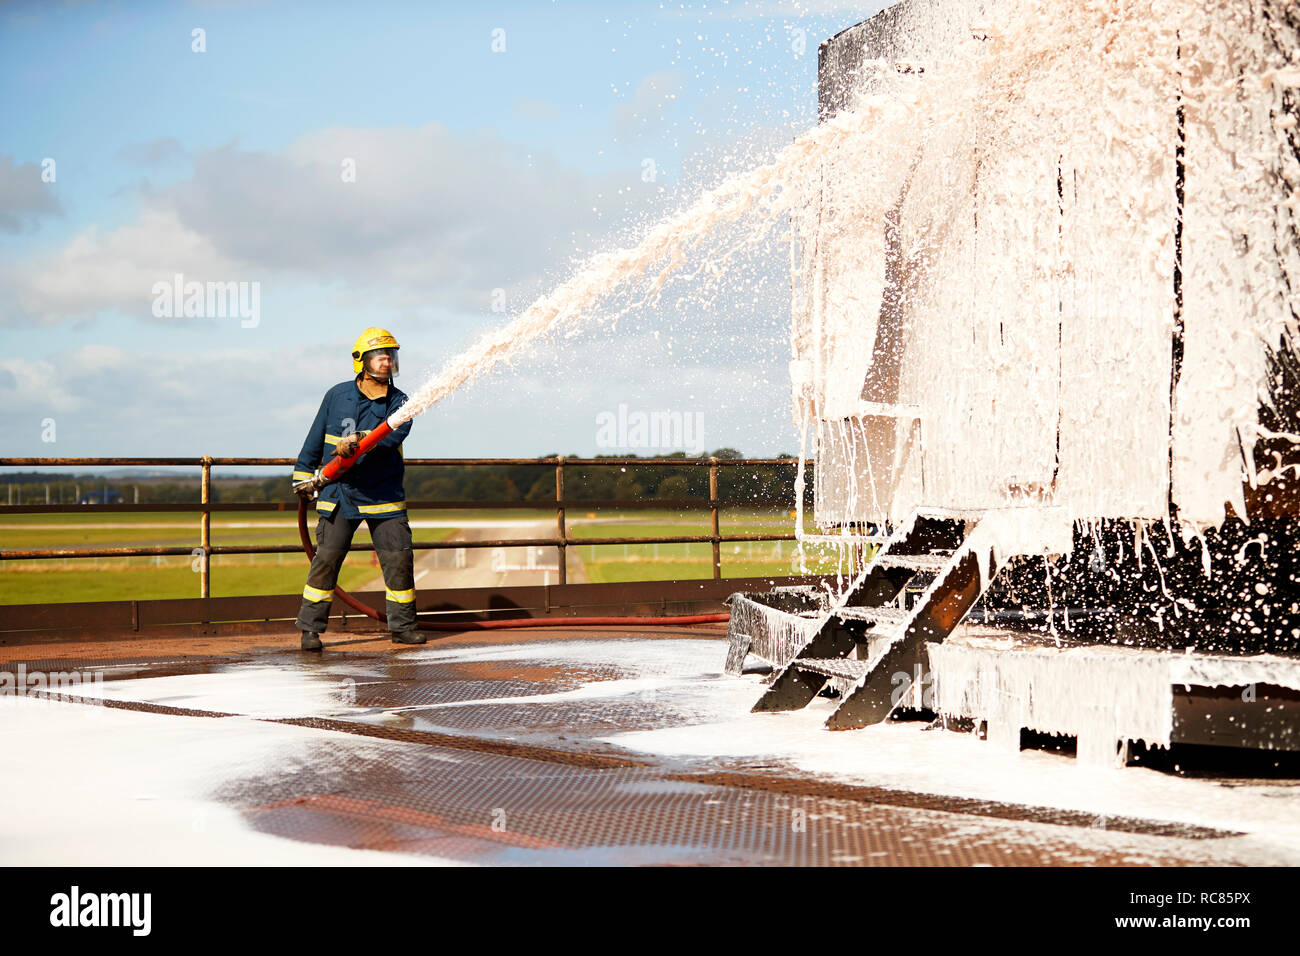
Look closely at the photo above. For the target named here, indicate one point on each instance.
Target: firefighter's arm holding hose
(307, 479)
(308, 483)
(308, 487)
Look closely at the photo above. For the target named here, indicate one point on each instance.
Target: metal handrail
(420, 462)
(561, 541)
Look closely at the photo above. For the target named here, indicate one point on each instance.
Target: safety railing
(562, 540)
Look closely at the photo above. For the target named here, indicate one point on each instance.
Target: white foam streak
(666, 248)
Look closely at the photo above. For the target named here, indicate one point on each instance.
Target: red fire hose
(337, 465)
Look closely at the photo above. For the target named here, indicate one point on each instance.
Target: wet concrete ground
(534, 747)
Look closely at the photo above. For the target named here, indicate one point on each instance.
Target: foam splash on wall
(1100, 694)
(1095, 693)
(986, 292)
(775, 635)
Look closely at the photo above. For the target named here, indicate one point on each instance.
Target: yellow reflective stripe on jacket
(382, 509)
(401, 597)
(302, 475)
(326, 506)
(333, 439)
(316, 594)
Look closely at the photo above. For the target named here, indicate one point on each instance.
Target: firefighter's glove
(307, 488)
(347, 446)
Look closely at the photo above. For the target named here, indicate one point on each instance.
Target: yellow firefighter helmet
(367, 341)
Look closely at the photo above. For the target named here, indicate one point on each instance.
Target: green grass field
(690, 561)
(144, 578)
(148, 578)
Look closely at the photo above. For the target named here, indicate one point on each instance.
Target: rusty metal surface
(39, 554)
(485, 749)
(423, 462)
(496, 809)
(588, 504)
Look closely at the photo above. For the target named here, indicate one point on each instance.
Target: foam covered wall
(1066, 218)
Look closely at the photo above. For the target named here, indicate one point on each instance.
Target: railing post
(713, 508)
(205, 528)
(560, 533)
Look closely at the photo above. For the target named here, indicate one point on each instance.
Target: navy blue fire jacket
(372, 487)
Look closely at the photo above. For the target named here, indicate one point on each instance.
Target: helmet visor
(373, 361)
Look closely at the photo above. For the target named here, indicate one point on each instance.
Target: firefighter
(370, 490)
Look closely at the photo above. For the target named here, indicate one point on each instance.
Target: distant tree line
(34, 488)
(484, 483)
(602, 482)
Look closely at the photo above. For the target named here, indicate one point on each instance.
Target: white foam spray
(1003, 191)
(764, 192)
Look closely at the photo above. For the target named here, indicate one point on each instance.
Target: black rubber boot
(311, 641)
(409, 637)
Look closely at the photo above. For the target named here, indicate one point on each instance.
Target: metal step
(833, 667)
(876, 615)
(921, 540)
(933, 563)
(873, 697)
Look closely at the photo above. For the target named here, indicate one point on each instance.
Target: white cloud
(55, 384)
(432, 216)
(33, 384)
(108, 400)
(110, 270)
(24, 197)
(432, 223)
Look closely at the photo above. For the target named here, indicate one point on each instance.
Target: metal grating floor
(489, 752)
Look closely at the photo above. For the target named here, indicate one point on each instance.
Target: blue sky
(475, 170)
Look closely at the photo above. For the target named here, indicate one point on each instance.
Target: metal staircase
(870, 646)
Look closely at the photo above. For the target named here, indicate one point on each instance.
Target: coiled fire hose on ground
(337, 466)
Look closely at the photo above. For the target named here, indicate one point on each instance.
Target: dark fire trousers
(392, 540)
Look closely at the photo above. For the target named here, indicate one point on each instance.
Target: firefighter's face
(381, 364)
